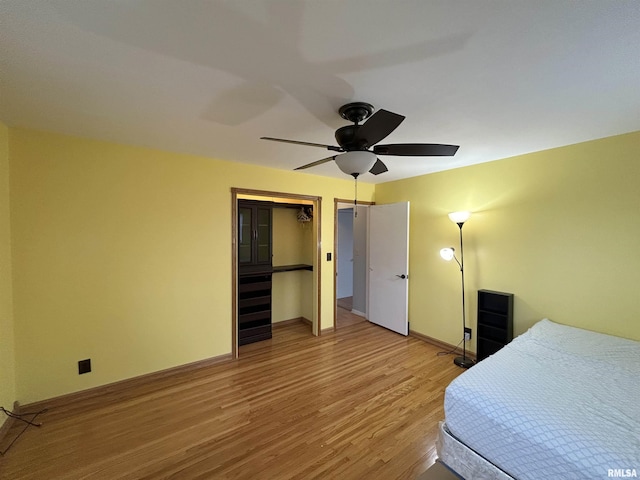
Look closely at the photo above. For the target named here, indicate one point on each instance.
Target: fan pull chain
(355, 201)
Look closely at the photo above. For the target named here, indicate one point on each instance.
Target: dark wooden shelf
(292, 268)
(255, 224)
(254, 270)
(495, 322)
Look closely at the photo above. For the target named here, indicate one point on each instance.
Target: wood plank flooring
(358, 403)
(346, 303)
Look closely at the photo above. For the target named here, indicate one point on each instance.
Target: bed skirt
(464, 461)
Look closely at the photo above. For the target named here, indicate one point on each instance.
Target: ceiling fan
(358, 150)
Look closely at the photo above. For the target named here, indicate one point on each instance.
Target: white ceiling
(209, 77)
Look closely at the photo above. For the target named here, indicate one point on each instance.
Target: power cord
(441, 354)
(28, 423)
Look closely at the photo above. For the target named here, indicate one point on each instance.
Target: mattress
(557, 402)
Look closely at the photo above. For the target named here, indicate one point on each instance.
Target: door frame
(317, 214)
(336, 201)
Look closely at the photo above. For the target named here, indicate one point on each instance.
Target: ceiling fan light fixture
(356, 162)
(360, 141)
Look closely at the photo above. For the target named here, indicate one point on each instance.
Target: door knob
(401, 276)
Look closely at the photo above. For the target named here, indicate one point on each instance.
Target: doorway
(276, 198)
(344, 258)
(350, 265)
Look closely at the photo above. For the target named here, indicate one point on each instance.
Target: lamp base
(464, 362)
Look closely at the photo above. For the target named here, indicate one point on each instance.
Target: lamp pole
(463, 361)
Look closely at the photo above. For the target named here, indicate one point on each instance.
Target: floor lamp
(449, 254)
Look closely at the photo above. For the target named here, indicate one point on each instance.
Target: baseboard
(438, 343)
(122, 385)
(292, 321)
(307, 321)
(8, 421)
(359, 313)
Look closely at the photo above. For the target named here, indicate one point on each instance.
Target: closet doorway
(351, 262)
(280, 201)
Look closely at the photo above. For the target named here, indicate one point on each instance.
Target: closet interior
(275, 256)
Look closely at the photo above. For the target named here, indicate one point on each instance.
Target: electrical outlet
(467, 334)
(84, 366)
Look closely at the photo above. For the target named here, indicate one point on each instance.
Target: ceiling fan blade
(416, 149)
(377, 127)
(317, 162)
(308, 144)
(378, 168)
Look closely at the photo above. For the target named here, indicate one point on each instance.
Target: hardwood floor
(346, 303)
(345, 318)
(360, 402)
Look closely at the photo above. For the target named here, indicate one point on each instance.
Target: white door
(389, 266)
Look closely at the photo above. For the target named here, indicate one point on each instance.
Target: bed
(557, 402)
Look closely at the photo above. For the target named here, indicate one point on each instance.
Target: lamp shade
(356, 162)
(447, 253)
(459, 217)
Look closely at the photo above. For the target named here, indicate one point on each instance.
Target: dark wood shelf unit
(292, 268)
(255, 234)
(495, 322)
(254, 308)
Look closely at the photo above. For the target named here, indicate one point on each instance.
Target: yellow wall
(7, 363)
(292, 292)
(560, 229)
(123, 255)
